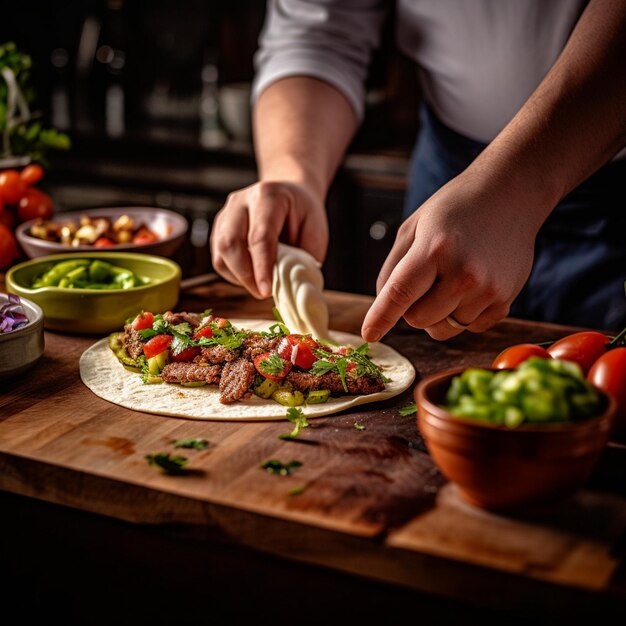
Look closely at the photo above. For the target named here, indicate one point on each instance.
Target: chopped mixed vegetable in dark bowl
(21, 334)
(515, 440)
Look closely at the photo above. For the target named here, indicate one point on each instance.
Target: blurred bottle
(101, 61)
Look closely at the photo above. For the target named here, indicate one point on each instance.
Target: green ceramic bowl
(96, 311)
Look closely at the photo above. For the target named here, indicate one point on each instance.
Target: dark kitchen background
(154, 97)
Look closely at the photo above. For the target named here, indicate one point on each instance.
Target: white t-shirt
(478, 60)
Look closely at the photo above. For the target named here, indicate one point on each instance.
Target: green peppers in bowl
(537, 391)
(88, 274)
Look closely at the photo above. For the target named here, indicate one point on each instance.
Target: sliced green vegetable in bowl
(537, 391)
(96, 292)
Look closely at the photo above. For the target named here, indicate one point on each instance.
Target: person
(517, 202)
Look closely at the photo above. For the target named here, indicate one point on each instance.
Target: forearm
(302, 128)
(576, 119)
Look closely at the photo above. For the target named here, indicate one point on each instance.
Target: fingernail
(265, 289)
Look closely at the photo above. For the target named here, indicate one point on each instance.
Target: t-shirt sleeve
(331, 40)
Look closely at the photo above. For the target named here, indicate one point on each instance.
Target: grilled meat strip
(217, 354)
(364, 385)
(193, 319)
(191, 372)
(132, 341)
(236, 378)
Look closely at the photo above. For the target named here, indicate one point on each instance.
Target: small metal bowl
(20, 349)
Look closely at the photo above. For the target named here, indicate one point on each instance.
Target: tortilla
(298, 290)
(101, 372)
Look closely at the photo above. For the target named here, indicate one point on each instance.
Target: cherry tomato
(299, 350)
(144, 235)
(156, 345)
(103, 242)
(12, 187)
(514, 355)
(188, 354)
(32, 173)
(583, 348)
(8, 219)
(271, 365)
(144, 320)
(609, 374)
(34, 203)
(9, 250)
(206, 331)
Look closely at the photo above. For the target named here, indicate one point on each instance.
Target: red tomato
(299, 350)
(32, 173)
(7, 217)
(206, 331)
(272, 366)
(143, 235)
(609, 374)
(583, 348)
(514, 355)
(9, 250)
(185, 355)
(103, 242)
(156, 345)
(34, 203)
(219, 322)
(12, 187)
(144, 320)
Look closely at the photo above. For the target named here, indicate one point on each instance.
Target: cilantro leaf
(297, 417)
(274, 466)
(195, 443)
(273, 365)
(409, 409)
(166, 462)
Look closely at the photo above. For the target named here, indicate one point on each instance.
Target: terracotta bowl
(528, 468)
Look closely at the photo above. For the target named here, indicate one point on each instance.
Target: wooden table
(90, 529)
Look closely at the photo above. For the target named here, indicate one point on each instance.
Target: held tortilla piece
(103, 374)
(297, 289)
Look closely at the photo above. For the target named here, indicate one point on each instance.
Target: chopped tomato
(103, 242)
(206, 331)
(218, 322)
(271, 365)
(188, 354)
(144, 320)
(156, 345)
(145, 235)
(299, 350)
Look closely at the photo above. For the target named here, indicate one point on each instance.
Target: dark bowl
(171, 227)
(530, 467)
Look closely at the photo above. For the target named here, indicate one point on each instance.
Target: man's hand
(247, 229)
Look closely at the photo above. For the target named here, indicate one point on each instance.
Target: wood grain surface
(370, 501)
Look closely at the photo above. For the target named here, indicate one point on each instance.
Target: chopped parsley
(273, 365)
(409, 409)
(338, 364)
(274, 466)
(195, 443)
(297, 417)
(359, 426)
(166, 462)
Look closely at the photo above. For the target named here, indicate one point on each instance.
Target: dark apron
(579, 269)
